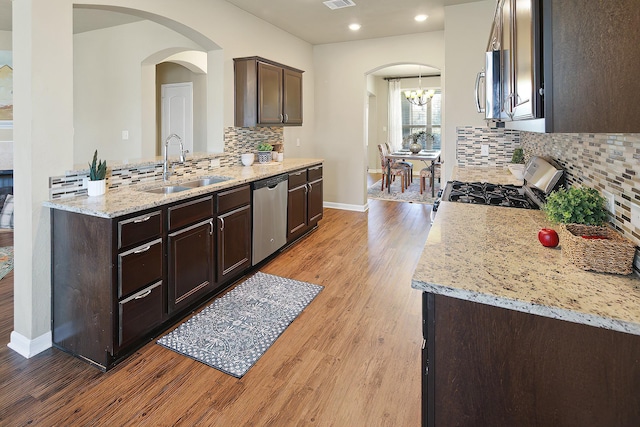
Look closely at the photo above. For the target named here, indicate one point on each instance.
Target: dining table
(429, 157)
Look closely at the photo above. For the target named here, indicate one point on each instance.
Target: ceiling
(309, 20)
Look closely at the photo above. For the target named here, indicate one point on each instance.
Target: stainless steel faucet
(166, 166)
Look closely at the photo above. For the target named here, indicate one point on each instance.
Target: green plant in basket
(576, 206)
(97, 169)
(265, 146)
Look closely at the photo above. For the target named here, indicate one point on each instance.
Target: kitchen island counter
(491, 255)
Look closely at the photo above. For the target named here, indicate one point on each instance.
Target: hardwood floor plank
(352, 357)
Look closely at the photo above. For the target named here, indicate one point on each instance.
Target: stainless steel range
(540, 179)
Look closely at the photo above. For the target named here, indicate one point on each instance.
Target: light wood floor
(352, 358)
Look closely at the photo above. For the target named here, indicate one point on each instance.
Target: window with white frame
(426, 118)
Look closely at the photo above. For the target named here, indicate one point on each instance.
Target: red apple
(548, 237)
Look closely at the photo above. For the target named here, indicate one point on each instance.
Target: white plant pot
(247, 159)
(96, 188)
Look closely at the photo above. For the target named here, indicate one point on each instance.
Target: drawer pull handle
(143, 295)
(221, 223)
(145, 249)
(146, 218)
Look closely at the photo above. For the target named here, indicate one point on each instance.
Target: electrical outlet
(611, 201)
(214, 163)
(484, 150)
(635, 215)
(297, 142)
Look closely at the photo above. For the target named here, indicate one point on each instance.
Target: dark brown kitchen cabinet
(573, 65)
(493, 366)
(267, 93)
(305, 201)
(107, 283)
(190, 259)
(591, 61)
(233, 232)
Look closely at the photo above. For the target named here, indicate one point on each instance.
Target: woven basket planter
(611, 254)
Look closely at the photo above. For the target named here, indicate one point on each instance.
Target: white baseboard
(345, 207)
(29, 348)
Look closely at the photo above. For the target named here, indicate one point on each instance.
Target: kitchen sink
(168, 189)
(205, 181)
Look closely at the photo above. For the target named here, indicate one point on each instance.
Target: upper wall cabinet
(267, 93)
(591, 63)
(572, 62)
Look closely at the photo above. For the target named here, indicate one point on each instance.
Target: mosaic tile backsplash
(501, 143)
(609, 162)
(236, 142)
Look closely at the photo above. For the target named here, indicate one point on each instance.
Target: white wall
(6, 135)
(108, 88)
(467, 29)
(341, 96)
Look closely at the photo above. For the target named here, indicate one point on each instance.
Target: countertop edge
(529, 307)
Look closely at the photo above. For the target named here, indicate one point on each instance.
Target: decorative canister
(264, 156)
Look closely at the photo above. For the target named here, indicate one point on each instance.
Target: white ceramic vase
(96, 188)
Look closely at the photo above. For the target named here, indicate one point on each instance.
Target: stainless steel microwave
(512, 80)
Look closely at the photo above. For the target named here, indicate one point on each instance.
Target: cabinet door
(296, 211)
(269, 94)
(190, 265)
(234, 243)
(292, 97)
(315, 202)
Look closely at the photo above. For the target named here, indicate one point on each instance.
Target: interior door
(177, 115)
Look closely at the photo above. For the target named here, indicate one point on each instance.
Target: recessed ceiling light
(354, 27)
(421, 18)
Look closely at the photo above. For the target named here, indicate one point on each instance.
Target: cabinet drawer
(139, 267)
(190, 212)
(232, 199)
(139, 314)
(298, 178)
(315, 173)
(141, 228)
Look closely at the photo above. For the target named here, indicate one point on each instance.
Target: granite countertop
(491, 255)
(133, 198)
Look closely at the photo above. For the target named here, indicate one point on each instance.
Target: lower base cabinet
(191, 264)
(117, 282)
(491, 366)
(305, 201)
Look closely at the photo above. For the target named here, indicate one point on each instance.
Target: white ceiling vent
(338, 4)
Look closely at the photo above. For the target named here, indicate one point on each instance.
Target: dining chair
(401, 162)
(396, 170)
(426, 173)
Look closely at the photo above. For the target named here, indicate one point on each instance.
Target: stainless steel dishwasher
(269, 216)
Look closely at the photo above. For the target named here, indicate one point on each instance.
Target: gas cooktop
(485, 193)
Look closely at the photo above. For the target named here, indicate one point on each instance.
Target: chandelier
(420, 96)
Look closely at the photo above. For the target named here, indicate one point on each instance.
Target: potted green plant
(96, 185)
(587, 242)
(517, 163)
(576, 205)
(264, 152)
